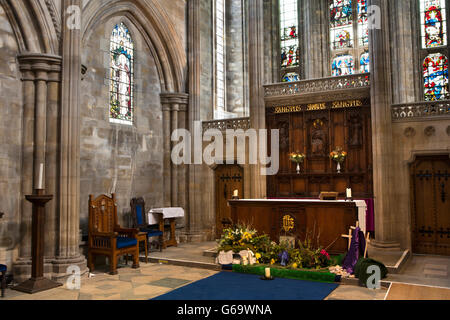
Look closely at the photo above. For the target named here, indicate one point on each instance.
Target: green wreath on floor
(361, 270)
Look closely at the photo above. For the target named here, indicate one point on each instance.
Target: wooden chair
(106, 237)
(140, 221)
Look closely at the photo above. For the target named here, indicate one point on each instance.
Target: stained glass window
(290, 51)
(341, 20)
(122, 75)
(364, 62)
(433, 20)
(220, 57)
(435, 74)
(343, 65)
(349, 36)
(291, 76)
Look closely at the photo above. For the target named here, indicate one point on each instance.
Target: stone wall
(121, 159)
(10, 142)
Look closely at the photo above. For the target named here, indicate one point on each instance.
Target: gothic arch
(155, 26)
(35, 24)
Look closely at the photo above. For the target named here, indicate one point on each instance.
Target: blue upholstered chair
(3, 270)
(140, 222)
(106, 237)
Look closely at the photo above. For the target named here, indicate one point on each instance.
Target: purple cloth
(357, 248)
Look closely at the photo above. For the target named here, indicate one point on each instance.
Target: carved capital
(40, 67)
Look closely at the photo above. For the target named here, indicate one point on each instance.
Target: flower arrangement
(306, 256)
(297, 158)
(338, 155)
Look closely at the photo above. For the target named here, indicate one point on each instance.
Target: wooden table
(171, 215)
(330, 219)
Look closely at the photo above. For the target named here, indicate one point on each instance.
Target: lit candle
(267, 272)
(236, 193)
(41, 177)
(349, 193)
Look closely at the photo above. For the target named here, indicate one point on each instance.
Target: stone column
(381, 128)
(39, 72)
(167, 172)
(257, 78)
(68, 253)
(174, 117)
(193, 217)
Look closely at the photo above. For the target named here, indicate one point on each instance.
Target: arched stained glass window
(435, 74)
(290, 51)
(122, 76)
(349, 37)
(434, 24)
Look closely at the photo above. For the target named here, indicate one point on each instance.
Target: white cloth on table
(168, 213)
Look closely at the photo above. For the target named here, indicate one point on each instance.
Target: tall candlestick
(41, 177)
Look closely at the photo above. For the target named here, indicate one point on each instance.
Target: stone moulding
(228, 124)
(315, 86)
(421, 110)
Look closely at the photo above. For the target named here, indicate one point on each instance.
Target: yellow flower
(295, 266)
(272, 261)
(257, 256)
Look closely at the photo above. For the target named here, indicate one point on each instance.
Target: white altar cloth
(168, 213)
(360, 204)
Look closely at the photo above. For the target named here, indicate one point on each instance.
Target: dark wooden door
(228, 179)
(430, 178)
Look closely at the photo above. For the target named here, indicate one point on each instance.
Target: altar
(324, 221)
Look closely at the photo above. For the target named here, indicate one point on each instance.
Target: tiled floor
(148, 282)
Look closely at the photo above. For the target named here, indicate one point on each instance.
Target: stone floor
(424, 270)
(155, 279)
(147, 282)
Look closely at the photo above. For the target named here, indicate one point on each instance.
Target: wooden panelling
(316, 134)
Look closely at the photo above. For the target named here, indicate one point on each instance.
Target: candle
(267, 272)
(236, 193)
(349, 193)
(41, 177)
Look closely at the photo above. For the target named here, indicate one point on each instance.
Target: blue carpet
(237, 286)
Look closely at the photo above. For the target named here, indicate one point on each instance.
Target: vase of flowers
(297, 158)
(339, 157)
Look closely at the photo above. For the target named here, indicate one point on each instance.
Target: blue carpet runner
(236, 286)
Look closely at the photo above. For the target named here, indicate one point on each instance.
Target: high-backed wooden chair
(106, 237)
(140, 221)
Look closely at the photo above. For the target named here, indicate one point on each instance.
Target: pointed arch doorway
(228, 179)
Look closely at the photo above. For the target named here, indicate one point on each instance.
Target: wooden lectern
(38, 283)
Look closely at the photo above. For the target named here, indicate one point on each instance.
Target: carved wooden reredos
(316, 126)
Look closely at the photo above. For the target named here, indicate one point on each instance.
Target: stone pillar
(167, 172)
(174, 117)
(381, 128)
(193, 217)
(313, 38)
(257, 73)
(68, 253)
(39, 74)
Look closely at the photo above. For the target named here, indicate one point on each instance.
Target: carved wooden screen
(317, 130)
